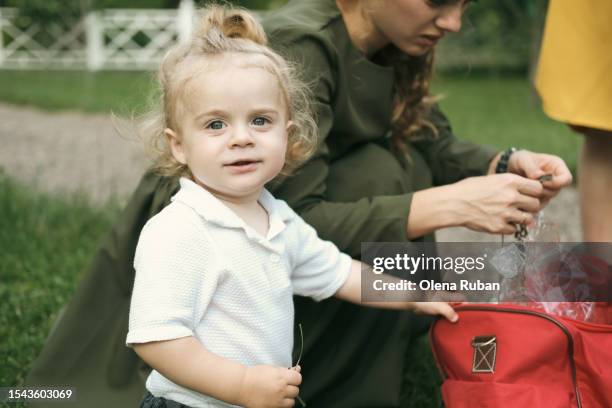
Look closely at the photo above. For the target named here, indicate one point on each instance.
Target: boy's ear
(289, 126)
(176, 146)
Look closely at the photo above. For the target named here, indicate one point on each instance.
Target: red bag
(507, 356)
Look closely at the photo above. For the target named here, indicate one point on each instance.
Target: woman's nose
(450, 18)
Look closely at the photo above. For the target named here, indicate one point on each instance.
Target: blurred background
(65, 65)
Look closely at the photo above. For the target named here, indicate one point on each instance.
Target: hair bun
(232, 23)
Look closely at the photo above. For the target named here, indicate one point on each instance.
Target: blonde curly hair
(223, 30)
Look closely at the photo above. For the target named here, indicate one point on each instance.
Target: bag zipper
(570, 340)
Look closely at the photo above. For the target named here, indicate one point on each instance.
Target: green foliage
(46, 12)
(495, 34)
(138, 4)
(46, 243)
(50, 14)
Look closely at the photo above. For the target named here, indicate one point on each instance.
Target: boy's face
(233, 132)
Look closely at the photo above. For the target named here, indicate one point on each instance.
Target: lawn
(76, 90)
(46, 242)
(504, 112)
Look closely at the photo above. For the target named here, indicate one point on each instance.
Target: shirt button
(274, 258)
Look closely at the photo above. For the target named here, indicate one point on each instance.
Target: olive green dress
(355, 189)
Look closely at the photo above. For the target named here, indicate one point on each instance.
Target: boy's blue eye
(216, 125)
(260, 121)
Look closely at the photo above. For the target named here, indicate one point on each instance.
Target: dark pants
(150, 401)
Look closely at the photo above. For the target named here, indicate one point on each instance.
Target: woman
(384, 149)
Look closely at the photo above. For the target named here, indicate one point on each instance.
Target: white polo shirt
(202, 271)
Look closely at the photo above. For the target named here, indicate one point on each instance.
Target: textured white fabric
(202, 271)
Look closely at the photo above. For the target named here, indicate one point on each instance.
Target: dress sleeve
(175, 279)
(450, 158)
(347, 224)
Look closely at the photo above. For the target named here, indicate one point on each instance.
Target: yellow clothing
(574, 76)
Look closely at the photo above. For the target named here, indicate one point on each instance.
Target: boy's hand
(436, 308)
(270, 387)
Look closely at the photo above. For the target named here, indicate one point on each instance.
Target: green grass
(75, 90)
(422, 381)
(46, 243)
(504, 112)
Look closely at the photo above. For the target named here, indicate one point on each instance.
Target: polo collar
(213, 210)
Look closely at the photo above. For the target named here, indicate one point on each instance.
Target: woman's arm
(186, 362)
(488, 203)
(452, 159)
(351, 292)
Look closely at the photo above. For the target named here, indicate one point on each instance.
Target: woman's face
(414, 26)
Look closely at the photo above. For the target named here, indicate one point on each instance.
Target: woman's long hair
(412, 101)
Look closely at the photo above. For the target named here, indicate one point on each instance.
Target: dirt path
(69, 152)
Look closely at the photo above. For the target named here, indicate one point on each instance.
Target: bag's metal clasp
(485, 351)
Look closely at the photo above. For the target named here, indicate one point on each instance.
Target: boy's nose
(241, 137)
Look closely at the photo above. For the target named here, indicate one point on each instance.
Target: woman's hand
(270, 387)
(535, 165)
(494, 203)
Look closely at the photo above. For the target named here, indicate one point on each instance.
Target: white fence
(122, 39)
